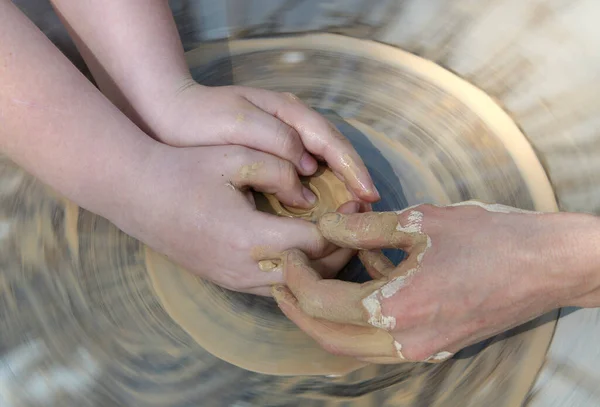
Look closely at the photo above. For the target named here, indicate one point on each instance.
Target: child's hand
(194, 206)
(275, 123)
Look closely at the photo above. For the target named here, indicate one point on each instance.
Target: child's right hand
(193, 205)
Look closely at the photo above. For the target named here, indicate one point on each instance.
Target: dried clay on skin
(335, 228)
(439, 357)
(399, 350)
(269, 265)
(372, 303)
(373, 306)
(249, 171)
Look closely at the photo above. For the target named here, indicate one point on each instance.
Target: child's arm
(56, 125)
(132, 49)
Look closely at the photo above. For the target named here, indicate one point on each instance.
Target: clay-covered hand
(194, 205)
(276, 123)
(471, 271)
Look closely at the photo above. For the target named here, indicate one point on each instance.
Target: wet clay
(330, 191)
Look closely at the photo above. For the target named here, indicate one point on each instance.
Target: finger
(278, 234)
(264, 132)
(269, 174)
(330, 266)
(319, 137)
(349, 207)
(281, 234)
(339, 339)
(363, 205)
(371, 230)
(332, 300)
(376, 263)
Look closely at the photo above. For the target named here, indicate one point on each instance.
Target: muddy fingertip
(282, 295)
(295, 256)
(330, 220)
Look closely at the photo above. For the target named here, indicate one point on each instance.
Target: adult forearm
(58, 126)
(133, 50)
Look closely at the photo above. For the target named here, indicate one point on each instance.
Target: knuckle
(287, 175)
(286, 138)
(288, 141)
(241, 244)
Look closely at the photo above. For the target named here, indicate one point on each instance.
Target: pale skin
(472, 271)
(184, 190)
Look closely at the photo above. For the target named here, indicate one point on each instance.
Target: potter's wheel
(78, 299)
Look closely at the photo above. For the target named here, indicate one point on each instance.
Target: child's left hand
(271, 122)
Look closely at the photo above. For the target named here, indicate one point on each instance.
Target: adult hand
(472, 271)
(193, 205)
(275, 123)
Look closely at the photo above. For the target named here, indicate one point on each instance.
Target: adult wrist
(575, 263)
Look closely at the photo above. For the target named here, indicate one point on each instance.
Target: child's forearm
(133, 50)
(55, 124)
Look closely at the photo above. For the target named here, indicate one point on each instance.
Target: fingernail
(369, 188)
(331, 219)
(308, 163)
(309, 196)
(282, 295)
(295, 257)
(377, 194)
(278, 292)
